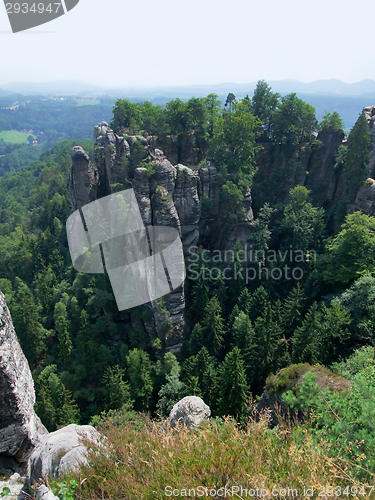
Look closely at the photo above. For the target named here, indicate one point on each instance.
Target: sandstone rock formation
(167, 195)
(83, 180)
(174, 194)
(20, 428)
(190, 411)
(60, 451)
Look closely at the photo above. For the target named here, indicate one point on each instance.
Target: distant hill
(5, 93)
(348, 99)
(326, 87)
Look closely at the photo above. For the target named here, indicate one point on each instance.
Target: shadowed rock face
(83, 181)
(20, 428)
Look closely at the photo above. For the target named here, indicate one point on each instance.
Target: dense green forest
(85, 356)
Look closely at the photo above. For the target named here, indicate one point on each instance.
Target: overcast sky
(167, 42)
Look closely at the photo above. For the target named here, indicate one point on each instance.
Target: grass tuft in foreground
(140, 462)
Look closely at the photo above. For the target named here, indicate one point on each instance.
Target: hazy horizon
(204, 43)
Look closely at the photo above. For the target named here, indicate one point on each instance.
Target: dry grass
(138, 464)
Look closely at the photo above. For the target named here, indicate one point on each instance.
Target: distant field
(89, 102)
(15, 136)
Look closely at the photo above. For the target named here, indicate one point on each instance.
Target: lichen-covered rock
(83, 181)
(164, 212)
(190, 411)
(61, 451)
(20, 427)
(164, 176)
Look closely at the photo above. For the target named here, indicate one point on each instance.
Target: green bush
(346, 419)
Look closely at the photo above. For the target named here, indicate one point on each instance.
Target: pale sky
(152, 42)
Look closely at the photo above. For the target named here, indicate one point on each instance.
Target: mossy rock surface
(291, 378)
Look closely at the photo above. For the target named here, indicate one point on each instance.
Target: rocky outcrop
(173, 196)
(365, 200)
(291, 378)
(61, 451)
(83, 181)
(190, 411)
(20, 428)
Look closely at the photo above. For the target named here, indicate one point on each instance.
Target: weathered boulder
(61, 451)
(190, 411)
(15, 484)
(83, 181)
(20, 428)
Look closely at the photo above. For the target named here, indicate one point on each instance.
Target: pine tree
(244, 301)
(234, 391)
(140, 377)
(213, 326)
(197, 339)
(306, 340)
(202, 378)
(291, 311)
(200, 296)
(259, 300)
(237, 283)
(243, 334)
(116, 391)
(25, 315)
(263, 359)
(62, 326)
(171, 392)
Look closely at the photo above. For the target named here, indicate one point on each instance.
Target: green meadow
(15, 136)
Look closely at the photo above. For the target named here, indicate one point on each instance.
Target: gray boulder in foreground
(20, 427)
(190, 411)
(61, 451)
(44, 493)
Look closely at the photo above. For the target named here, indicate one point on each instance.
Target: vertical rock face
(20, 428)
(83, 181)
(365, 200)
(322, 178)
(188, 205)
